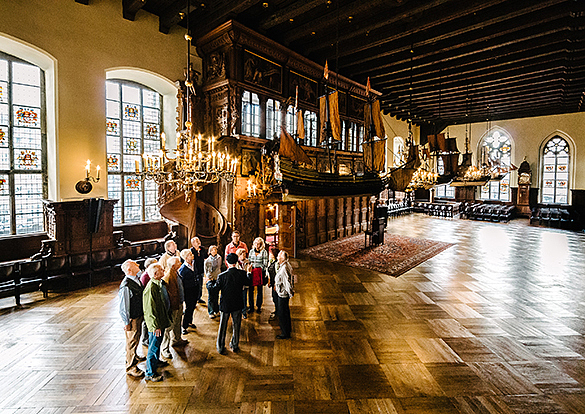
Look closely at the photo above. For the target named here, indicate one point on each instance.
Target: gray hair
(126, 265)
(149, 261)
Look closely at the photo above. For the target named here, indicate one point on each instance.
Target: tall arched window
(250, 114)
(273, 119)
(496, 149)
(133, 127)
(555, 174)
(23, 177)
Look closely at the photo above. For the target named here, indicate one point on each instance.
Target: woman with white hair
(258, 258)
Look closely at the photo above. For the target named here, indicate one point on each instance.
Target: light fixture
(84, 186)
(196, 161)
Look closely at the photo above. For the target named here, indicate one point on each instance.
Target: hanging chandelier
(196, 161)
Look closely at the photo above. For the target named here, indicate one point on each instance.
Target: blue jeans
(153, 353)
(223, 323)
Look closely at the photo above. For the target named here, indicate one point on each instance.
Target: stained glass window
(133, 128)
(23, 181)
(250, 114)
(497, 148)
(273, 119)
(555, 174)
(310, 121)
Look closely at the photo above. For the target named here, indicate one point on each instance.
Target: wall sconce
(84, 186)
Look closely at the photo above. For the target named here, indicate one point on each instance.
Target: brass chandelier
(195, 162)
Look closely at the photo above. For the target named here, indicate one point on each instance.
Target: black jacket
(231, 283)
(199, 259)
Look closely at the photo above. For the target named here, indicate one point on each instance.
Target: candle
(87, 166)
(199, 156)
(249, 188)
(297, 98)
(98, 172)
(212, 143)
(163, 138)
(235, 166)
(137, 166)
(213, 160)
(254, 187)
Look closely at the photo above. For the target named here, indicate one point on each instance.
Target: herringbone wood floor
(495, 324)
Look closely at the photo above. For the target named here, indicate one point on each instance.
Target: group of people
(157, 304)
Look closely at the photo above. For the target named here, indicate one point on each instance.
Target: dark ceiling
(441, 61)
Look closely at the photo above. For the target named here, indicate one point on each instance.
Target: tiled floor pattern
(495, 324)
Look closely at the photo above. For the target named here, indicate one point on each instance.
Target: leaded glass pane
(113, 144)
(25, 159)
(4, 136)
(112, 91)
(151, 131)
(27, 138)
(151, 146)
(151, 213)
(4, 159)
(131, 146)
(130, 94)
(131, 112)
(151, 115)
(26, 116)
(3, 92)
(115, 193)
(26, 95)
(130, 163)
(5, 211)
(4, 114)
(26, 74)
(112, 127)
(131, 129)
(27, 198)
(4, 70)
(499, 150)
(113, 109)
(150, 98)
(114, 162)
(555, 172)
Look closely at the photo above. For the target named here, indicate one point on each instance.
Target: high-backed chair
(56, 270)
(31, 277)
(8, 281)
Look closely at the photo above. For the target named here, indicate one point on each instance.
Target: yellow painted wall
(528, 136)
(85, 41)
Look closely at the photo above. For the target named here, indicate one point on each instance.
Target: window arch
(496, 149)
(133, 128)
(23, 146)
(555, 174)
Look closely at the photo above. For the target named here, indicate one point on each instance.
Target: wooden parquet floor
(495, 324)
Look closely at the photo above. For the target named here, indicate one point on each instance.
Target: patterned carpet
(396, 256)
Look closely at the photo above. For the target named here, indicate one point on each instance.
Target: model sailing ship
(298, 181)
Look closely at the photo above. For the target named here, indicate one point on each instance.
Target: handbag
(257, 276)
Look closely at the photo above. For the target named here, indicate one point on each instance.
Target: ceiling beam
(172, 15)
(131, 7)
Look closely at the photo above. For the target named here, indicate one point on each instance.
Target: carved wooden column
(357, 223)
(311, 224)
(340, 216)
(349, 216)
(364, 216)
(322, 220)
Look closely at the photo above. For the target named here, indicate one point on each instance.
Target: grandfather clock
(524, 181)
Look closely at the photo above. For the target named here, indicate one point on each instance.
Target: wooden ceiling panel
(435, 61)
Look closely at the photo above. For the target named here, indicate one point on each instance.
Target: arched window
(23, 176)
(133, 128)
(310, 121)
(496, 150)
(555, 174)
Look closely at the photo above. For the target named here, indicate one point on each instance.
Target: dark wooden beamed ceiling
(435, 61)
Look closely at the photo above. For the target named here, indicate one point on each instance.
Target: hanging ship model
(298, 181)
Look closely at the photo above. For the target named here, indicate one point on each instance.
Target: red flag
(326, 71)
(368, 88)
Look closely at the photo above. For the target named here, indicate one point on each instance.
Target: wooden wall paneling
(311, 223)
(322, 220)
(340, 216)
(301, 224)
(331, 219)
(285, 227)
(349, 216)
(357, 210)
(248, 221)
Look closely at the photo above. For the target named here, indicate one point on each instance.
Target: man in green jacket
(157, 317)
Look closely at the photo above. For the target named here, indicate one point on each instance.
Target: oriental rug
(396, 256)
